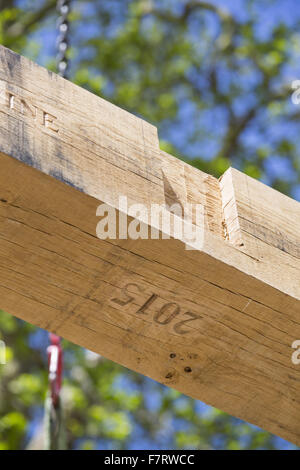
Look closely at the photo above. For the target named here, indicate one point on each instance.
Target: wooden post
(215, 323)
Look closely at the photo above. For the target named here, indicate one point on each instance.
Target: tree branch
(29, 20)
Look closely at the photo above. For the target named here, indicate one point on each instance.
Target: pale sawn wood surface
(216, 324)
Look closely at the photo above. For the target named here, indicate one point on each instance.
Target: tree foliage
(215, 78)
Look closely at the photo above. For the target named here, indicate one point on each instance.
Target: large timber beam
(216, 323)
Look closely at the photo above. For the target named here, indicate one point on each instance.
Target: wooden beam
(216, 324)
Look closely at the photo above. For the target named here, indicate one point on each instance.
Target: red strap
(55, 364)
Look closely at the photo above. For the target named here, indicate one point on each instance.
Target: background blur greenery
(215, 78)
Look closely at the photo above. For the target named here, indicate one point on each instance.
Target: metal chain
(54, 434)
(54, 430)
(63, 7)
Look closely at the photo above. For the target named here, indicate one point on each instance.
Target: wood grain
(216, 323)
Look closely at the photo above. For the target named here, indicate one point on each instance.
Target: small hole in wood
(172, 355)
(169, 375)
(187, 369)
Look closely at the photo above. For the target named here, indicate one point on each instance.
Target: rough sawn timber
(216, 324)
